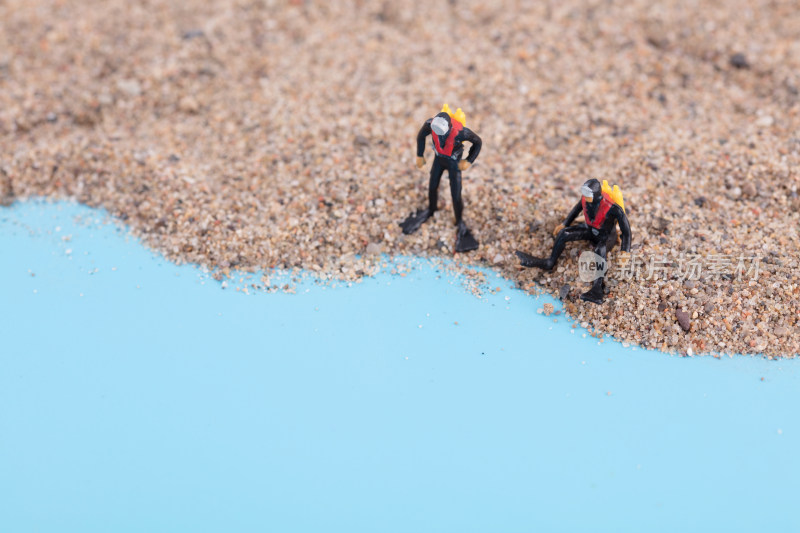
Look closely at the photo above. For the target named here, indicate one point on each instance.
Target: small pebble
(563, 292)
(739, 61)
(683, 319)
(765, 121)
(188, 104)
(129, 86)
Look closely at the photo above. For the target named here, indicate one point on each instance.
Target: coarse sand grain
(258, 134)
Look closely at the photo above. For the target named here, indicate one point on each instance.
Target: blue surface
(136, 395)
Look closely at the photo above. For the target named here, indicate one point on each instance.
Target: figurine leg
(455, 190)
(612, 241)
(415, 220)
(597, 292)
(437, 169)
(572, 233)
(465, 240)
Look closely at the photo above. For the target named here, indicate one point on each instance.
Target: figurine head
(441, 124)
(592, 190)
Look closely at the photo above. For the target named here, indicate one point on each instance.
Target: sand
(256, 134)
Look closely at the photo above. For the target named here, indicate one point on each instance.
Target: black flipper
(465, 240)
(595, 294)
(415, 220)
(529, 261)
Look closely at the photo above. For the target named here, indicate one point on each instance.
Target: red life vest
(605, 205)
(447, 149)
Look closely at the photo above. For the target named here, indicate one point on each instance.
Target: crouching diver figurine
(602, 209)
(448, 132)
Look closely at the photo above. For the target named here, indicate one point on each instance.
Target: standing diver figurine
(602, 209)
(448, 131)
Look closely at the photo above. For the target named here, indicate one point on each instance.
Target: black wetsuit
(450, 164)
(603, 238)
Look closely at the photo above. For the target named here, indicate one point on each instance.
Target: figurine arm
(625, 228)
(424, 131)
(573, 214)
(475, 143)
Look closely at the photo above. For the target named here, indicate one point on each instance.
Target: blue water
(136, 395)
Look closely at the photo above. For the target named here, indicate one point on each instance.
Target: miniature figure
(448, 131)
(602, 209)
